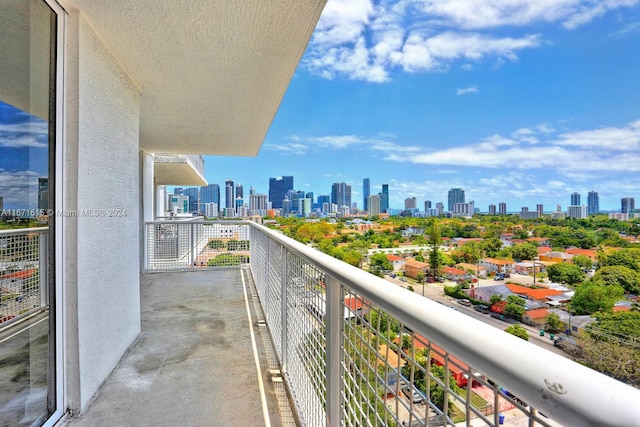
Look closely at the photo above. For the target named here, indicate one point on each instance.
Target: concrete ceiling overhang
(169, 169)
(212, 73)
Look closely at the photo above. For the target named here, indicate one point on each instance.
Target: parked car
(440, 279)
(464, 302)
(481, 308)
(412, 394)
(499, 277)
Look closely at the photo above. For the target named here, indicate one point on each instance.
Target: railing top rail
(565, 390)
(199, 221)
(18, 231)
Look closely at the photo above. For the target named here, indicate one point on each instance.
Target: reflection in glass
(27, 124)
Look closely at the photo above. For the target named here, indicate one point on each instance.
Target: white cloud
(33, 133)
(609, 138)
(471, 89)
(366, 40)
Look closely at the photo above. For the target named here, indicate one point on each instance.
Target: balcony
(179, 169)
(348, 347)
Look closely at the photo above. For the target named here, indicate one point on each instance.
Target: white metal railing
(356, 350)
(183, 245)
(23, 272)
(350, 342)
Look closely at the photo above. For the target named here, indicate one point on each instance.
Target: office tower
(252, 190)
(540, 210)
(384, 198)
(322, 200)
(211, 210)
(492, 209)
(627, 204)
(374, 204)
(366, 192)
(178, 203)
(577, 211)
(239, 191)
(210, 194)
(193, 193)
(309, 195)
(456, 195)
(43, 193)
(228, 194)
(440, 208)
(341, 194)
(464, 209)
(287, 207)
(502, 208)
(427, 205)
(1, 204)
(304, 207)
(278, 188)
(524, 209)
(410, 203)
(575, 199)
(177, 191)
(258, 203)
(593, 203)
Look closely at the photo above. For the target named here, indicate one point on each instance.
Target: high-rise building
(540, 210)
(593, 203)
(325, 198)
(384, 198)
(374, 204)
(1, 204)
(579, 211)
(178, 203)
(427, 205)
(627, 204)
(440, 208)
(502, 208)
(456, 195)
(193, 193)
(211, 210)
(304, 207)
(239, 191)
(492, 209)
(43, 193)
(229, 198)
(341, 194)
(210, 194)
(366, 192)
(575, 199)
(177, 190)
(258, 204)
(464, 209)
(410, 203)
(278, 188)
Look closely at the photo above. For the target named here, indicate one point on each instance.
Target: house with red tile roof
(413, 267)
(590, 253)
(544, 249)
(457, 368)
(498, 266)
(536, 294)
(556, 256)
(537, 317)
(454, 274)
(396, 261)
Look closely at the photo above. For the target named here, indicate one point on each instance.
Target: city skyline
(523, 105)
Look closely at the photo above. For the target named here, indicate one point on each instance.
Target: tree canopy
(565, 273)
(518, 331)
(593, 296)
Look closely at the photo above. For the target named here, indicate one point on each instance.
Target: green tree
(582, 261)
(238, 245)
(380, 261)
(524, 251)
(629, 258)
(227, 259)
(216, 244)
(619, 275)
(621, 325)
(352, 257)
(435, 241)
(491, 246)
(515, 306)
(495, 298)
(593, 296)
(565, 273)
(554, 324)
(518, 331)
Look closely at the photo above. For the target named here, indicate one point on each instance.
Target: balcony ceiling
(212, 73)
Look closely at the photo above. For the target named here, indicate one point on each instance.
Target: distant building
(211, 210)
(456, 195)
(526, 214)
(193, 193)
(366, 192)
(43, 193)
(410, 203)
(502, 208)
(278, 188)
(210, 194)
(627, 204)
(593, 203)
(178, 203)
(427, 205)
(341, 194)
(464, 209)
(228, 194)
(540, 209)
(384, 198)
(579, 211)
(575, 199)
(440, 208)
(492, 209)
(322, 200)
(258, 204)
(374, 205)
(1, 203)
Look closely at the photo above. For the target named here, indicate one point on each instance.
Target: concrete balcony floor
(193, 364)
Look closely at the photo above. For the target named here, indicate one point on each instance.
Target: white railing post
(334, 318)
(192, 245)
(43, 263)
(283, 305)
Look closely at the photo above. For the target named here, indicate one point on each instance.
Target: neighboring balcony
(179, 169)
(247, 327)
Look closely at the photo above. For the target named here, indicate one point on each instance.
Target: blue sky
(521, 101)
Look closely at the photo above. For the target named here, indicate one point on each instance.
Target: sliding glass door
(28, 114)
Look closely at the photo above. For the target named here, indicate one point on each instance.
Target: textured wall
(108, 248)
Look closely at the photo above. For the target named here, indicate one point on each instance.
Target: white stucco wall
(107, 241)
